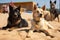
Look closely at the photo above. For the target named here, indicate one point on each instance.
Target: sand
(21, 35)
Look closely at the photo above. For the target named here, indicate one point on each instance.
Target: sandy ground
(21, 35)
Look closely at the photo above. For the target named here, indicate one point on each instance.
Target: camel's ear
(35, 7)
(55, 1)
(50, 1)
(43, 7)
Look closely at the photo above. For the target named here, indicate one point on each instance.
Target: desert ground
(21, 35)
